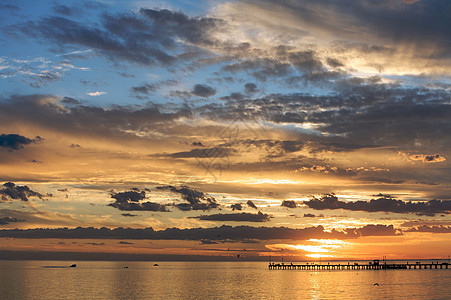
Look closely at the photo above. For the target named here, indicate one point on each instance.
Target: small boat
(155, 265)
(73, 266)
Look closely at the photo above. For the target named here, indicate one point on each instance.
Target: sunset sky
(226, 129)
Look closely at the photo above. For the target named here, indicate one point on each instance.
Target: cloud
(236, 206)
(95, 94)
(163, 35)
(208, 242)
(433, 229)
(313, 216)
(66, 10)
(369, 114)
(130, 201)
(70, 101)
(196, 31)
(250, 203)
(143, 90)
(236, 217)
(428, 158)
(250, 88)
(289, 203)
(383, 204)
(132, 196)
(128, 215)
(17, 192)
(125, 243)
(382, 26)
(227, 233)
(16, 141)
(260, 68)
(46, 111)
(197, 200)
(7, 220)
(425, 158)
(42, 218)
(204, 153)
(375, 230)
(203, 90)
(431, 222)
(95, 244)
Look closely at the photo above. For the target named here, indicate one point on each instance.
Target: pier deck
(356, 266)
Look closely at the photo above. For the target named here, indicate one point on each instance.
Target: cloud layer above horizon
(226, 112)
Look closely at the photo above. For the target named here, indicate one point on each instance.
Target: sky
(226, 130)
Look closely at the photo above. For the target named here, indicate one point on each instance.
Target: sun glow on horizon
(314, 248)
(317, 255)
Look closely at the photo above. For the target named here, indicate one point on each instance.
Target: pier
(374, 265)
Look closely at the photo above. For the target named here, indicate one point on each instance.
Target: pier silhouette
(374, 265)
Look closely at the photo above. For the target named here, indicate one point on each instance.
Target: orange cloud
(425, 158)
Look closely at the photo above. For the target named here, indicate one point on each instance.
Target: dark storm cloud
(7, 220)
(382, 204)
(131, 201)
(228, 233)
(16, 141)
(17, 192)
(197, 200)
(251, 204)
(289, 203)
(236, 217)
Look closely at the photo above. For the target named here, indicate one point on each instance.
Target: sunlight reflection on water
(207, 280)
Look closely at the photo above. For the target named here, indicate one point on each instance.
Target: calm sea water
(208, 280)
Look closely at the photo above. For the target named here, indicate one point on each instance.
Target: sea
(21, 279)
